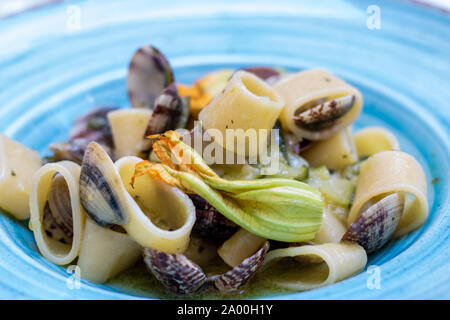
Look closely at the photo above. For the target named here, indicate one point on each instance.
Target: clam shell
(60, 206)
(98, 185)
(52, 229)
(149, 73)
(167, 112)
(375, 226)
(239, 275)
(210, 223)
(94, 126)
(174, 271)
(269, 75)
(324, 114)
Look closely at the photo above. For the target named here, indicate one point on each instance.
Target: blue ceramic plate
(54, 67)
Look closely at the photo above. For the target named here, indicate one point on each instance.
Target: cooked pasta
(132, 190)
(72, 213)
(334, 152)
(372, 140)
(393, 171)
(312, 88)
(239, 247)
(105, 253)
(315, 266)
(262, 106)
(160, 216)
(17, 166)
(128, 129)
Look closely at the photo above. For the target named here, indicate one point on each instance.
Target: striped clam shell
(99, 188)
(325, 113)
(239, 275)
(270, 75)
(174, 271)
(376, 225)
(210, 223)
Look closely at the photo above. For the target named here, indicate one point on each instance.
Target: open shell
(108, 198)
(376, 225)
(324, 114)
(309, 88)
(174, 271)
(58, 222)
(210, 223)
(181, 275)
(239, 275)
(52, 249)
(92, 126)
(149, 73)
(270, 75)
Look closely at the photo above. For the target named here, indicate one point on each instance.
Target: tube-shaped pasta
(372, 140)
(50, 248)
(393, 171)
(334, 152)
(308, 88)
(160, 216)
(128, 128)
(105, 253)
(247, 102)
(331, 229)
(240, 246)
(17, 167)
(314, 265)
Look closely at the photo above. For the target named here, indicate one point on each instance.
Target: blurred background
(13, 7)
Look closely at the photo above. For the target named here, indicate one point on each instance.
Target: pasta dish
(244, 180)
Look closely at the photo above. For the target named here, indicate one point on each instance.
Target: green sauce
(139, 282)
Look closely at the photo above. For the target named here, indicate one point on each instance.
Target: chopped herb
(345, 156)
(435, 180)
(13, 173)
(96, 123)
(327, 79)
(363, 158)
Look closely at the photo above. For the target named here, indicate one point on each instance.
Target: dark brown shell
(60, 204)
(93, 126)
(303, 145)
(267, 74)
(149, 73)
(324, 114)
(239, 275)
(375, 226)
(171, 112)
(210, 223)
(58, 222)
(52, 229)
(176, 272)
